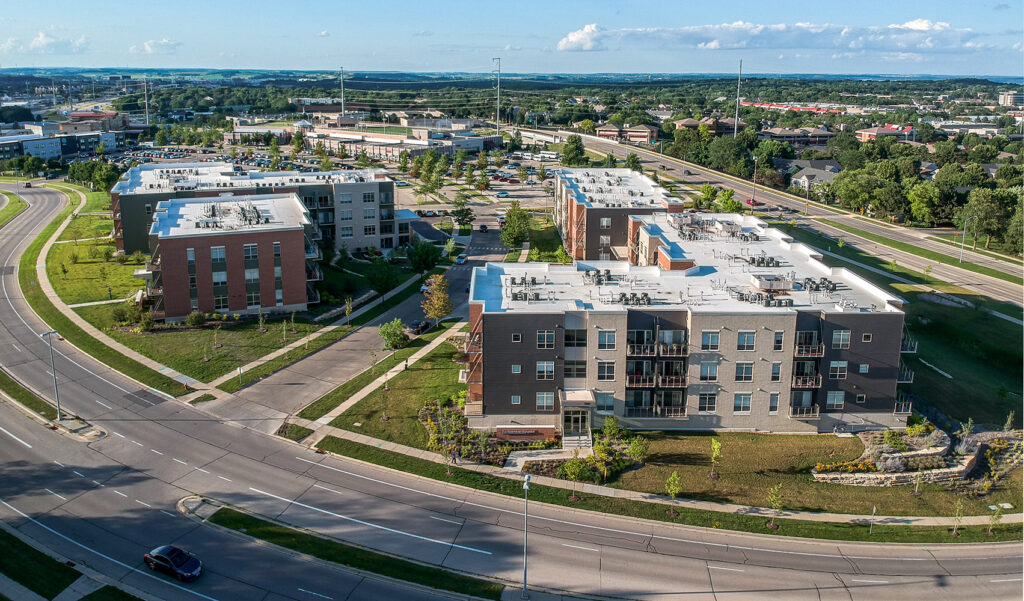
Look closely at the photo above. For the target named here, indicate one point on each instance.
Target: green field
(89, 276)
(26, 397)
(11, 208)
(997, 249)
(544, 239)
(109, 593)
(35, 571)
(84, 227)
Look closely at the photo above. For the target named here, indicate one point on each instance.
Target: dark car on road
(483, 228)
(418, 327)
(175, 562)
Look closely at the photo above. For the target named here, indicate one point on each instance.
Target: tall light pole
(497, 110)
(964, 239)
(736, 123)
(753, 185)
(56, 396)
(526, 518)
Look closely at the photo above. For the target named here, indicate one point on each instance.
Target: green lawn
(203, 398)
(753, 463)
(389, 129)
(34, 570)
(84, 227)
(294, 432)
(94, 201)
(26, 397)
(435, 376)
(544, 239)
(12, 207)
(513, 256)
(109, 593)
(996, 250)
(268, 367)
(87, 279)
(356, 557)
(656, 511)
(342, 393)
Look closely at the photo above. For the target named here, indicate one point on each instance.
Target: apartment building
(353, 209)
(716, 322)
(236, 254)
(592, 208)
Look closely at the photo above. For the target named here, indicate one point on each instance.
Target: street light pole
(56, 396)
(526, 517)
(963, 240)
(753, 183)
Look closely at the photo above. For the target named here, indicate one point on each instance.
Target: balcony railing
(640, 381)
(903, 407)
(656, 411)
(905, 374)
(313, 252)
(672, 381)
(807, 381)
(312, 295)
(313, 273)
(314, 232)
(804, 411)
(810, 350)
(672, 350)
(640, 350)
(908, 344)
(157, 291)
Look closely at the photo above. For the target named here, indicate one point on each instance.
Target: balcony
(905, 375)
(312, 295)
(810, 350)
(314, 232)
(313, 252)
(640, 381)
(804, 412)
(656, 411)
(807, 381)
(640, 350)
(313, 273)
(672, 381)
(907, 344)
(903, 407)
(672, 350)
(157, 291)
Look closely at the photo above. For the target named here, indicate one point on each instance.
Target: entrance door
(575, 421)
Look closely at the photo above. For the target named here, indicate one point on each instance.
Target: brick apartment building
(718, 322)
(237, 254)
(593, 206)
(354, 209)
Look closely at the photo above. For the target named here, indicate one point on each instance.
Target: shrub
(195, 319)
(894, 439)
(146, 322)
(236, 316)
(73, 257)
(121, 259)
(119, 313)
(924, 463)
(847, 466)
(919, 427)
(611, 429)
(108, 252)
(138, 257)
(934, 438)
(893, 464)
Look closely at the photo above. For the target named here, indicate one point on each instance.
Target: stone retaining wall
(937, 451)
(948, 474)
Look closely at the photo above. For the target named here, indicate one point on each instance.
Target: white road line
(337, 492)
(97, 483)
(121, 493)
(583, 548)
(180, 461)
(870, 581)
(167, 513)
(444, 520)
(77, 473)
(156, 451)
(55, 494)
(138, 443)
(1006, 580)
(199, 469)
(372, 525)
(58, 463)
(225, 479)
(107, 557)
(16, 347)
(142, 503)
(102, 404)
(118, 434)
(315, 594)
(19, 440)
(721, 568)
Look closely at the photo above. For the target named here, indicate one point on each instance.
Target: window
(575, 338)
(741, 402)
(776, 372)
(744, 372)
(605, 371)
(575, 369)
(603, 256)
(250, 251)
(387, 228)
(190, 255)
(706, 402)
(837, 370)
(708, 371)
(195, 304)
(779, 336)
(369, 230)
(220, 278)
(773, 402)
(517, 369)
(516, 399)
(745, 341)
(605, 402)
(604, 240)
(368, 197)
(861, 398)
(252, 299)
(545, 370)
(252, 276)
(545, 401)
(278, 297)
(709, 341)
(220, 302)
(545, 339)
(345, 215)
(277, 250)
(149, 210)
(345, 232)
(866, 337)
(344, 198)
(863, 368)
(841, 339)
(192, 282)
(517, 337)
(606, 340)
(277, 272)
(369, 213)
(606, 223)
(835, 399)
(217, 253)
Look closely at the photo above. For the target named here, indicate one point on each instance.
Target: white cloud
(587, 38)
(8, 45)
(922, 25)
(512, 48)
(161, 46)
(323, 34)
(44, 43)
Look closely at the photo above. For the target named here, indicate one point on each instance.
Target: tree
(958, 515)
(587, 126)
(574, 469)
(573, 154)
(674, 485)
(423, 256)
(463, 215)
(403, 161)
(436, 303)
(275, 147)
(393, 333)
(728, 204)
(542, 174)
(523, 174)
(1014, 234)
(561, 256)
(638, 449)
(924, 199)
(610, 161)
(716, 454)
(362, 160)
(725, 151)
(985, 212)
(101, 149)
(383, 276)
(298, 141)
(161, 137)
(633, 162)
(775, 502)
(326, 164)
(994, 519)
(516, 228)
(105, 176)
(708, 194)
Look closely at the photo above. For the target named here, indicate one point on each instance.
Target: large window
(190, 255)
(345, 215)
(277, 250)
(545, 370)
(606, 340)
(575, 369)
(217, 254)
(252, 299)
(745, 341)
(706, 402)
(545, 339)
(604, 240)
(741, 402)
(835, 399)
(773, 402)
(837, 370)
(605, 402)
(708, 371)
(745, 372)
(575, 338)
(369, 213)
(709, 341)
(220, 302)
(368, 197)
(776, 372)
(779, 337)
(220, 278)
(605, 370)
(369, 230)
(250, 251)
(344, 199)
(345, 232)
(252, 276)
(841, 339)
(606, 223)
(545, 401)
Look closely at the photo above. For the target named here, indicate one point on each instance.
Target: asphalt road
(106, 502)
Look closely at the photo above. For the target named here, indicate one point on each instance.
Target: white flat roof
(730, 271)
(228, 214)
(605, 188)
(165, 177)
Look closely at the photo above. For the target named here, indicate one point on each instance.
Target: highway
(104, 503)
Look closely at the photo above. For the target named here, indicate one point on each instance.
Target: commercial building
(800, 136)
(54, 147)
(717, 322)
(905, 132)
(1011, 98)
(236, 254)
(353, 209)
(592, 208)
(641, 134)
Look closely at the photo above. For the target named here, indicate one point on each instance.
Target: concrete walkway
(102, 302)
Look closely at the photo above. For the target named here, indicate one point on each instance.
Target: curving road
(106, 502)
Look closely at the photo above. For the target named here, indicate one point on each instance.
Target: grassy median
(32, 569)
(12, 208)
(26, 397)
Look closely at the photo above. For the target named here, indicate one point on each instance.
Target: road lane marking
(102, 404)
(444, 520)
(167, 513)
(16, 347)
(55, 494)
(721, 568)
(121, 493)
(156, 451)
(870, 581)
(77, 473)
(118, 434)
(180, 461)
(199, 469)
(143, 503)
(19, 440)
(315, 594)
(223, 478)
(370, 524)
(58, 463)
(337, 492)
(107, 557)
(138, 443)
(583, 548)
(1007, 580)
(97, 483)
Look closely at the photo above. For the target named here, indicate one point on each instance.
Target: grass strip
(294, 432)
(70, 330)
(355, 557)
(26, 397)
(203, 398)
(109, 593)
(270, 366)
(513, 256)
(659, 512)
(925, 253)
(15, 205)
(980, 251)
(33, 569)
(323, 405)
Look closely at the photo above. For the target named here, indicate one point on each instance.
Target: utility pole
(497, 110)
(145, 91)
(736, 123)
(56, 396)
(343, 92)
(526, 523)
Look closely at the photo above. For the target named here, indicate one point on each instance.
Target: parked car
(513, 181)
(28, 184)
(418, 327)
(175, 562)
(502, 194)
(752, 202)
(459, 260)
(483, 228)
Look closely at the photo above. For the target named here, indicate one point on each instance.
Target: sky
(940, 37)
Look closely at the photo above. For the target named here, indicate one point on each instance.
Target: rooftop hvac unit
(536, 296)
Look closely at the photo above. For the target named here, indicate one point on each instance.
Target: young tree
(542, 174)
(523, 175)
(348, 310)
(392, 334)
(587, 126)
(516, 228)
(362, 160)
(436, 303)
(638, 449)
(708, 194)
(574, 469)
(298, 142)
(423, 256)
(610, 161)
(101, 149)
(958, 515)
(403, 161)
(326, 164)
(161, 137)
(383, 276)
(994, 519)
(674, 485)
(716, 454)
(573, 154)
(728, 204)
(775, 502)
(1008, 424)
(633, 162)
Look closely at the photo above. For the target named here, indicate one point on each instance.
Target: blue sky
(946, 37)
